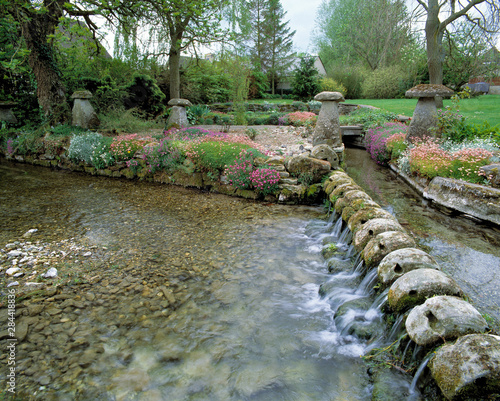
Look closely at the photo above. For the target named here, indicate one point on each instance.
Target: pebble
(14, 283)
(52, 272)
(12, 271)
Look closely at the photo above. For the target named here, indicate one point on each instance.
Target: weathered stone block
(442, 318)
(468, 369)
(383, 244)
(414, 287)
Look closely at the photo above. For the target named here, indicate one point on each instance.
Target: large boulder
(308, 166)
(384, 243)
(401, 261)
(371, 229)
(469, 368)
(442, 318)
(414, 287)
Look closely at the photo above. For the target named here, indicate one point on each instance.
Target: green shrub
(144, 95)
(330, 85)
(214, 156)
(66, 130)
(305, 84)
(198, 112)
(383, 83)
(300, 106)
(352, 78)
(127, 121)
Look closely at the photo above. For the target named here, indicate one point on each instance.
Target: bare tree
(440, 14)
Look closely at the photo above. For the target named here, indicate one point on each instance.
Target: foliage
(428, 159)
(144, 95)
(349, 76)
(357, 32)
(305, 83)
(258, 84)
(265, 180)
(124, 147)
(383, 83)
(368, 117)
(376, 139)
(330, 85)
(215, 151)
(239, 173)
(198, 111)
(298, 118)
(206, 83)
(167, 155)
(82, 147)
(396, 145)
(120, 120)
(101, 156)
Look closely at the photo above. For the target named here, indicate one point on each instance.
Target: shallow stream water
(248, 322)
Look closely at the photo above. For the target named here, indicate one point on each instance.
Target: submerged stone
(441, 318)
(469, 368)
(401, 261)
(414, 287)
(383, 244)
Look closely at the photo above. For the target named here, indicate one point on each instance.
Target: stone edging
(474, 201)
(430, 301)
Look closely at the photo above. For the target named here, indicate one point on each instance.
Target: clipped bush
(330, 85)
(383, 83)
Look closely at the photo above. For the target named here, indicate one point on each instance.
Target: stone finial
(84, 114)
(179, 102)
(429, 90)
(424, 119)
(327, 130)
(178, 115)
(81, 95)
(329, 97)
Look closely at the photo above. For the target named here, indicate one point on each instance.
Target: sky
(301, 15)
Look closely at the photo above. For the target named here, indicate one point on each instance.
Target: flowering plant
(265, 180)
(396, 145)
(376, 140)
(125, 147)
(298, 118)
(164, 156)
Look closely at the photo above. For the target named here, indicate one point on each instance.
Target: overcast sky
(302, 17)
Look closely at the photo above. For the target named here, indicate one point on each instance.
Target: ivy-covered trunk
(51, 92)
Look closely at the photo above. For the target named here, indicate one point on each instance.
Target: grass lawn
(477, 110)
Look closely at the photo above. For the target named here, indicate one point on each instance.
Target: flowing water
(248, 323)
(468, 251)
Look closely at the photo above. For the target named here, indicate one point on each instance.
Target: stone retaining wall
(430, 302)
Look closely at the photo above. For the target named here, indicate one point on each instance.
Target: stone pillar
(84, 114)
(6, 113)
(327, 129)
(178, 116)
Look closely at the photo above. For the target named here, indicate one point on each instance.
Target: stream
(197, 296)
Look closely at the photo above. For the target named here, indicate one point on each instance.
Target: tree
(440, 14)
(280, 42)
(467, 49)
(305, 80)
(185, 22)
(373, 33)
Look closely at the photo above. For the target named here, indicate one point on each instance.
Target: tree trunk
(434, 39)
(51, 92)
(174, 60)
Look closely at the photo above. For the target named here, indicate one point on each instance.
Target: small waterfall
(366, 286)
(396, 329)
(406, 350)
(337, 228)
(380, 300)
(345, 236)
(419, 372)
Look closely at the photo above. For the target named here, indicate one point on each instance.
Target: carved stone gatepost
(178, 116)
(6, 113)
(327, 129)
(84, 114)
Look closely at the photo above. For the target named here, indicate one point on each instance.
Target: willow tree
(440, 14)
(38, 20)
